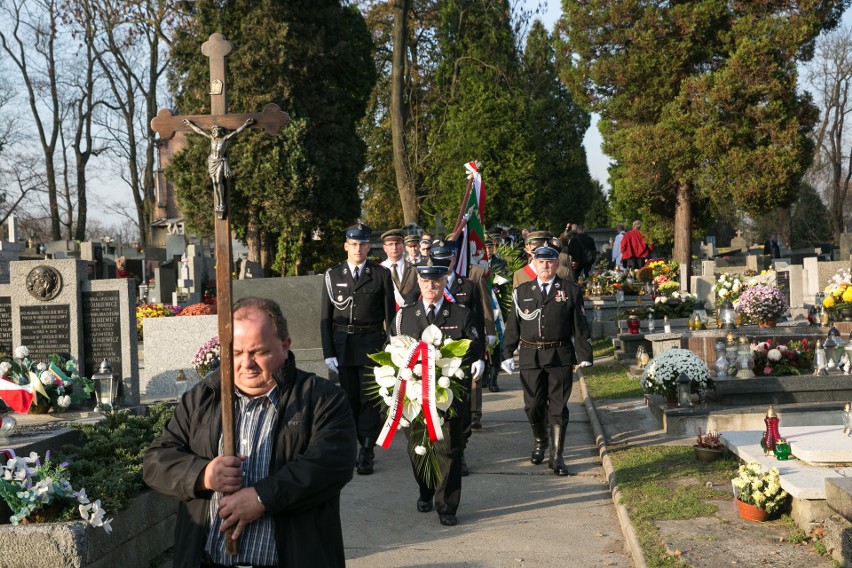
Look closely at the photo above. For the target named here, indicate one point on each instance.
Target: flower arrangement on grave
(663, 271)
(661, 373)
(838, 293)
(766, 277)
(775, 359)
(644, 274)
(710, 440)
(729, 286)
(207, 358)
(176, 310)
(30, 487)
(43, 386)
(609, 280)
(762, 303)
(759, 488)
(200, 309)
(417, 381)
(150, 311)
(671, 302)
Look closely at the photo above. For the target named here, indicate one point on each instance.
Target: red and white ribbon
(423, 353)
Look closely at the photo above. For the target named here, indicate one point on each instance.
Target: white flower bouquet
(759, 488)
(728, 286)
(43, 386)
(662, 372)
(418, 380)
(28, 486)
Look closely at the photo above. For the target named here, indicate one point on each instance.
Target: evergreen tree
(313, 59)
(479, 114)
(564, 189)
(698, 102)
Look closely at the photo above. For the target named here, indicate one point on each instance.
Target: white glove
(491, 339)
(585, 364)
(508, 365)
(331, 363)
(477, 369)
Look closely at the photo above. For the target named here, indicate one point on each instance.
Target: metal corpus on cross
(219, 126)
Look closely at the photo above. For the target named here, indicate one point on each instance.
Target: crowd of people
(301, 437)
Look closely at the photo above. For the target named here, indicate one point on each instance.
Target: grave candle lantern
(782, 449)
(727, 315)
(819, 359)
(721, 364)
(683, 399)
(845, 416)
(771, 435)
(106, 385)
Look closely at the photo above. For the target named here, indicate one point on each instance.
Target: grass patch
(611, 382)
(603, 347)
(665, 483)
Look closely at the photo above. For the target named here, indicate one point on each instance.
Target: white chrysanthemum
(420, 450)
(64, 401)
(41, 367)
(46, 378)
(774, 355)
(444, 382)
(723, 292)
(22, 352)
(5, 367)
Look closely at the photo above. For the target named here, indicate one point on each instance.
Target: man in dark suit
(357, 310)
(403, 273)
(549, 323)
(498, 273)
(771, 246)
(412, 250)
(455, 322)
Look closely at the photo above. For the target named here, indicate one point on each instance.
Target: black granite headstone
(6, 326)
(783, 279)
(46, 329)
(101, 331)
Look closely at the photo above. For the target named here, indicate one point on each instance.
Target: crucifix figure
(218, 122)
(217, 161)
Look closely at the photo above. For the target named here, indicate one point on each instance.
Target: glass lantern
(721, 364)
(727, 315)
(782, 449)
(683, 387)
(833, 348)
(619, 296)
(820, 362)
(745, 359)
(651, 323)
(845, 416)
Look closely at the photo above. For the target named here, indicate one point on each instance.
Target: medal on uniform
(340, 298)
(445, 313)
(526, 310)
(417, 313)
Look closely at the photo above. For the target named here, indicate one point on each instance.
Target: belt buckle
(350, 329)
(540, 345)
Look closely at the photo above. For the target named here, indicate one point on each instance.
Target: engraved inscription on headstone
(783, 279)
(102, 331)
(6, 325)
(46, 329)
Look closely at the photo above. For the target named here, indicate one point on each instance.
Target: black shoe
(537, 455)
(494, 387)
(448, 519)
(558, 444)
(424, 506)
(476, 425)
(465, 470)
(364, 466)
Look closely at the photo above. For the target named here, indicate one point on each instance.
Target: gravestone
(10, 249)
(811, 283)
(50, 306)
(783, 282)
(796, 294)
(845, 246)
(739, 243)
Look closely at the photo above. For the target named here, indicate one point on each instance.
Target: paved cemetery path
(512, 513)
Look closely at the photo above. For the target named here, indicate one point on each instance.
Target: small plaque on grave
(6, 325)
(102, 331)
(45, 330)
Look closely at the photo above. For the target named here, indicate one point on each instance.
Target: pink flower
(767, 370)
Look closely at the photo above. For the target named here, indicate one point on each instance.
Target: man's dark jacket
(312, 455)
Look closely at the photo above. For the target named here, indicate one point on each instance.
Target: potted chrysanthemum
(758, 493)
(762, 304)
(661, 373)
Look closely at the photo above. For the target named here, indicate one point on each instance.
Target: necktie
(395, 276)
(355, 275)
(430, 315)
(544, 290)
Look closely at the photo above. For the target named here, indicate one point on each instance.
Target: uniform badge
(345, 271)
(340, 298)
(445, 313)
(417, 313)
(367, 270)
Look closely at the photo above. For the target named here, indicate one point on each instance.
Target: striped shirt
(254, 418)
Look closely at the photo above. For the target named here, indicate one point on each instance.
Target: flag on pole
(469, 233)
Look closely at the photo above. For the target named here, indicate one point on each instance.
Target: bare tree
(30, 43)
(830, 74)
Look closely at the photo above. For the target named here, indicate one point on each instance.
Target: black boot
(540, 433)
(365, 458)
(492, 384)
(558, 435)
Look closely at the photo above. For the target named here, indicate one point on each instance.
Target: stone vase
(707, 454)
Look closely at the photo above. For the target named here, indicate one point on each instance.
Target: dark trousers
(546, 393)
(447, 493)
(476, 397)
(354, 381)
(465, 409)
(635, 262)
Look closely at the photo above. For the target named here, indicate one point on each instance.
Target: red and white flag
(18, 397)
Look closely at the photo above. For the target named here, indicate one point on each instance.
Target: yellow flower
(847, 295)
(828, 302)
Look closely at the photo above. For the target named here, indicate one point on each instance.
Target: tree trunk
(404, 179)
(253, 235)
(683, 226)
(266, 249)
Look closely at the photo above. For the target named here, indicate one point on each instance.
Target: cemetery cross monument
(218, 122)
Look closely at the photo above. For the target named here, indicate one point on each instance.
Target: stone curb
(627, 529)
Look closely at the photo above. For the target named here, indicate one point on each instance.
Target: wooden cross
(271, 120)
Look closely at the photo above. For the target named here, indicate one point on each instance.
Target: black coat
(561, 318)
(312, 455)
(467, 293)
(372, 304)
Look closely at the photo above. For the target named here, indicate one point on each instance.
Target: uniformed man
(471, 294)
(532, 241)
(403, 273)
(412, 249)
(357, 310)
(425, 245)
(455, 322)
(549, 323)
(492, 367)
